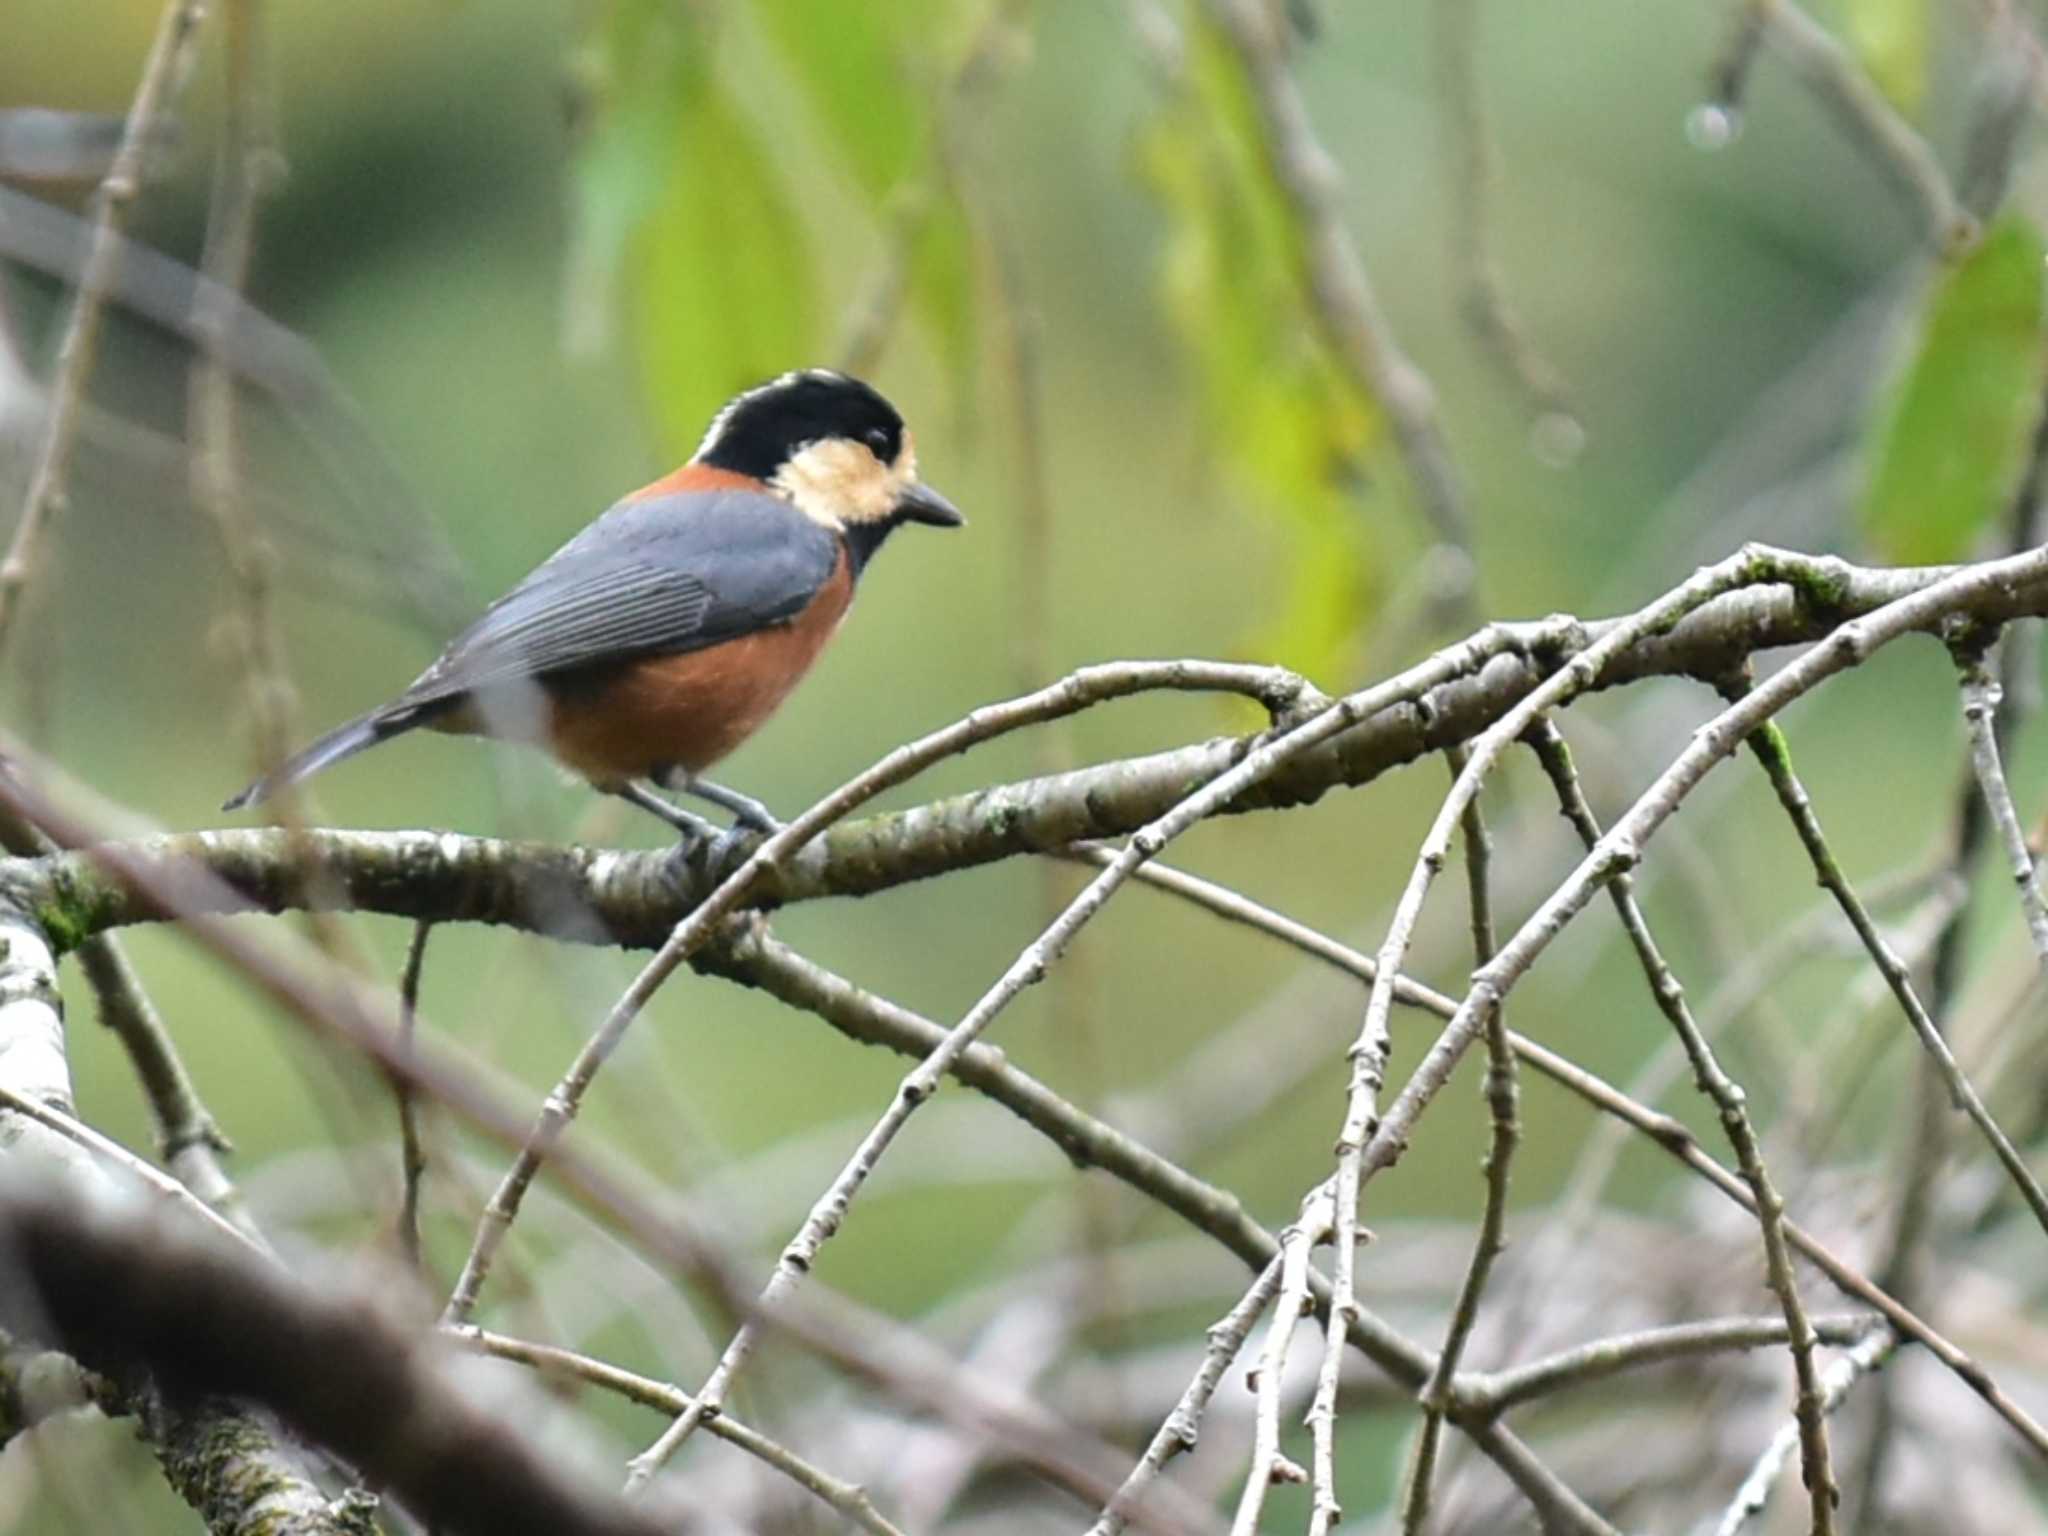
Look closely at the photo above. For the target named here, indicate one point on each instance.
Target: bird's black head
(833, 446)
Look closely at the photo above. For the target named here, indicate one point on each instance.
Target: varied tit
(663, 635)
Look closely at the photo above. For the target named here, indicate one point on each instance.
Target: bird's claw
(730, 847)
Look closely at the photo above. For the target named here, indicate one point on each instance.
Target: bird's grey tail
(343, 741)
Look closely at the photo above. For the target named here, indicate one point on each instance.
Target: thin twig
(1344, 304)
(1235, 907)
(1816, 1460)
(1470, 176)
(1774, 755)
(1621, 847)
(1028, 968)
(1928, 1140)
(162, 72)
(1728, 75)
(412, 1154)
(1078, 691)
(1586, 1364)
(1841, 1376)
(249, 167)
(1268, 1464)
(112, 1152)
(1676, 1139)
(1502, 1094)
(1901, 157)
(1178, 1433)
(849, 1499)
(1362, 1128)
(1982, 696)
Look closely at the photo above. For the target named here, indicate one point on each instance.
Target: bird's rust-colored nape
(644, 718)
(694, 477)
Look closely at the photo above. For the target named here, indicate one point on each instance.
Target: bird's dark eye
(878, 440)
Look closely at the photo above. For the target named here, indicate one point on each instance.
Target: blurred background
(532, 247)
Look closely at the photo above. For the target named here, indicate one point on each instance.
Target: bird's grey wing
(647, 579)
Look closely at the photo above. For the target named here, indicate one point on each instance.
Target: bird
(664, 634)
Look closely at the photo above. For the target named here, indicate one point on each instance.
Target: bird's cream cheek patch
(837, 482)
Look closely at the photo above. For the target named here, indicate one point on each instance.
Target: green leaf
(724, 290)
(1952, 440)
(1286, 414)
(1893, 40)
(872, 74)
(860, 67)
(636, 70)
(679, 202)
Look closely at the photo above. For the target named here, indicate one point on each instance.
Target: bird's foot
(694, 828)
(746, 810)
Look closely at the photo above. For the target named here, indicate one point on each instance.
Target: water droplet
(1711, 126)
(1557, 439)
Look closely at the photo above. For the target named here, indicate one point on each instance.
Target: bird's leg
(689, 824)
(747, 811)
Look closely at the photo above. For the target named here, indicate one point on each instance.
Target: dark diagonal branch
(123, 1290)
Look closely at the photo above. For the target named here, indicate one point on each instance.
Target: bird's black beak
(922, 504)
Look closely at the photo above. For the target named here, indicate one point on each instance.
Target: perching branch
(636, 899)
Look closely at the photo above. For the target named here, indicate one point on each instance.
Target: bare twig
(1621, 846)
(1076, 692)
(249, 167)
(1901, 157)
(1676, 1139)
(1867, 1356)
(1769, 745)
(1344, 304)
(1673, 1136)
(1029, 967)
(1982, 696)
(113, 1154)
(162, 72)
(1234, 907)
(1363, 1130)
(1816, 1460)
(412, 1154)
(1589, 1363)
(1470, 176)
(1181, 1427)
(1502, 1098)
(849, 1499)
(1928, 1139)
(1268, 1465)
(1728, 75)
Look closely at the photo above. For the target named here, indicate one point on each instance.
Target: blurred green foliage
(1950, 447)
(1286, 417)
(1894, 41)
